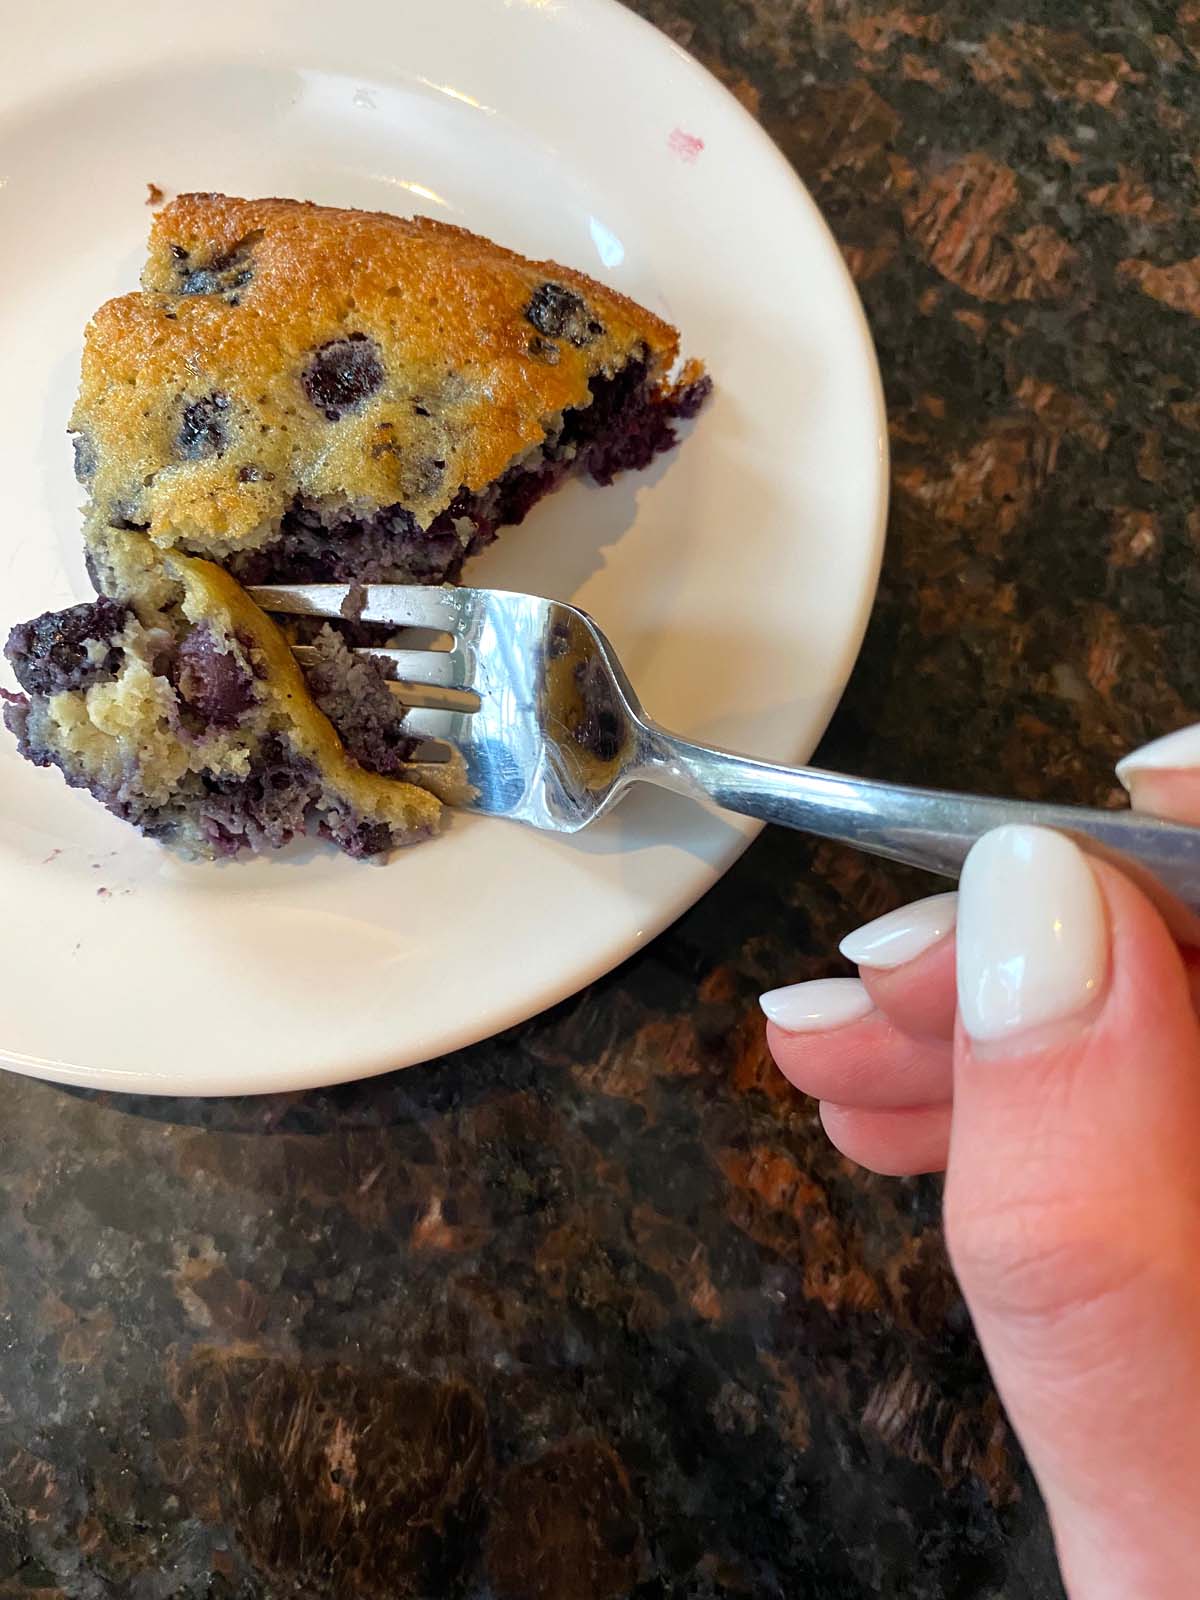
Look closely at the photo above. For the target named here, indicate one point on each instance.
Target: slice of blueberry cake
(306, 393)
(300, 393)
(186, 714)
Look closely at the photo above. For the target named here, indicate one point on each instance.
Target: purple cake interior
(629, 421)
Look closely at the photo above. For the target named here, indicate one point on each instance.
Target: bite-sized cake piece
(187, 715)
(306, 393)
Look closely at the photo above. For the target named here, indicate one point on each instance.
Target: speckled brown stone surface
(592, 1311)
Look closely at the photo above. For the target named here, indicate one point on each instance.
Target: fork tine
(428, 723)
(439, 669)
(398, 605)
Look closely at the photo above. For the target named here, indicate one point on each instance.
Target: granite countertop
(592, 1310)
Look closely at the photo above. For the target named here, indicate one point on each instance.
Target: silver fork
(533, 696)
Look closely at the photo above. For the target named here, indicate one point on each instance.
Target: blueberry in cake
(306, 394)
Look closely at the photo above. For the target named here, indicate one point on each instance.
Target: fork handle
(930, 828)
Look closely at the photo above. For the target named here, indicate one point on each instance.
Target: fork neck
(929, 828)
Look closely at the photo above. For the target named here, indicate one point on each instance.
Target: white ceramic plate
(735, 578)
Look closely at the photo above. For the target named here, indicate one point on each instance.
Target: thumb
(1073, 1200)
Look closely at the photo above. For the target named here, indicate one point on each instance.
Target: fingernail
(1032, 934)
(902, 935)
(1175, 751)
(815, 1007)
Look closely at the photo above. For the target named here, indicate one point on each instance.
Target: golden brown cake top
(281, 350)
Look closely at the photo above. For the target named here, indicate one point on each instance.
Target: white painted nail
(815, 1007)
(1174, 752)
(1032, 933)
(902, 935)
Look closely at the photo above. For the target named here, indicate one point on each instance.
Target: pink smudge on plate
(685, 145)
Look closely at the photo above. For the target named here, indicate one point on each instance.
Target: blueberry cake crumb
(85, 457)
(352, 690)
(64, 650)
(195, 724)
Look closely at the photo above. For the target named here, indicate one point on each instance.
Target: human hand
(1037, 1037)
